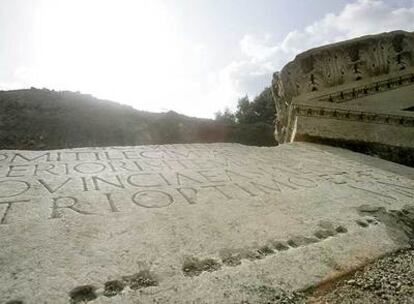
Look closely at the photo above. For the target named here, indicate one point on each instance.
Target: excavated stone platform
(201, 223)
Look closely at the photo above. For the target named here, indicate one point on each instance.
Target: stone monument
(210, 223)
(358, 93)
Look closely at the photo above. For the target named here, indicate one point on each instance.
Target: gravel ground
(388, 280)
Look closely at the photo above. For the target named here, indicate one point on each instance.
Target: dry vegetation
(45, 119)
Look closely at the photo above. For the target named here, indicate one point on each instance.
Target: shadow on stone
(82, 294)
(112, 288)
(194, 267)
(140, 280)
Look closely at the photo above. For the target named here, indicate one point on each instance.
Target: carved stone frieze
(341, 72)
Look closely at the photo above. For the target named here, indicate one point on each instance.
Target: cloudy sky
(191, 56)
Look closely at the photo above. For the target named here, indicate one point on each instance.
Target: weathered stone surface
(360, 90)
(219, 223)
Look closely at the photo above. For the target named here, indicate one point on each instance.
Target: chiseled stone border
(370, 89)
(339, 114)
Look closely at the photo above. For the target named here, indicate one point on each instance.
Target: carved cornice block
(341, 72)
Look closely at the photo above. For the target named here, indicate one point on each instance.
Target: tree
(264, 107)
(261, 109)
(244, 112)
(226, 117)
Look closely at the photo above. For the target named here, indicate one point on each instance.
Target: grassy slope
(43, 119)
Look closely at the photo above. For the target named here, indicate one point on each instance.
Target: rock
(178, 223)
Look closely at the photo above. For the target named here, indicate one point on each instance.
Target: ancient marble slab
(211, 223)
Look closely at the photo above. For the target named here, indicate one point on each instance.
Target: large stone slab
(218, 223)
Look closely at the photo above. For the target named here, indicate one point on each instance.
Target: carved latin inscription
(103, 182)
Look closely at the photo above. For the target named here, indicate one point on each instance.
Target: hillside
(45, 119)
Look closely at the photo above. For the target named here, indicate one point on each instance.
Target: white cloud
(262, 56)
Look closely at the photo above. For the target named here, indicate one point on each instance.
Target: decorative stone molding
(369, 117)
(339, 73)
(376, 87)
